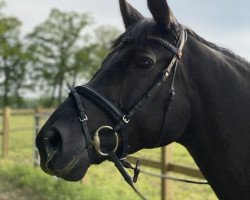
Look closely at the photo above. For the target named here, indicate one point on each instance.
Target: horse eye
(144, 63)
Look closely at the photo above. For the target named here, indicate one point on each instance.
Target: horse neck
(218, 137)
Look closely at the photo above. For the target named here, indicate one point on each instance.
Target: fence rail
(20, 112)
(165, 164)
(6, 114)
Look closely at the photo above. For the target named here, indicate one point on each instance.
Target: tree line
(58, 51)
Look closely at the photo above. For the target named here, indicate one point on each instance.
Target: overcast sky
(225, 22)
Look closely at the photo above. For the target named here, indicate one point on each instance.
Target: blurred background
(46, 44)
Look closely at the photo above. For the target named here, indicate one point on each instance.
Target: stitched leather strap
(124, 173)
(83, 118)
(105, 104)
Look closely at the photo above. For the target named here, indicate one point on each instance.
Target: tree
(54, 44)
(88, 59)
(13, 59)
(83, 62)
(2, 5)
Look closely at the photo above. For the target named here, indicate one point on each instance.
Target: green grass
(101, 182)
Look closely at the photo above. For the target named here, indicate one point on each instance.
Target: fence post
(37, 128)
(6, 129)
(166, 186)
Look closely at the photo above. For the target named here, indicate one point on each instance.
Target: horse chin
(78, 171)
(75, 170)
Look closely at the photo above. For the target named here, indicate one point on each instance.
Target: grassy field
(20, 180)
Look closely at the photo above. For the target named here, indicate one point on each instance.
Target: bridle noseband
(121, 119)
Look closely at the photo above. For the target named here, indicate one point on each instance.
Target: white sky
(225, 22)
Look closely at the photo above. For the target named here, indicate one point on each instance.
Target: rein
(121, 119)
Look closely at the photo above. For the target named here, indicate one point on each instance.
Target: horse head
(136, 100)
(156, 87)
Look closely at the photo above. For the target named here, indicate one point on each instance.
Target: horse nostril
(53, 143)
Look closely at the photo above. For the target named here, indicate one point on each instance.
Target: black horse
(173, 86)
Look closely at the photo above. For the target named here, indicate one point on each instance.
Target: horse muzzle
(54, 160)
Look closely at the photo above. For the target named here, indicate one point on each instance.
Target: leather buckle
(179, 54)
(137, 171)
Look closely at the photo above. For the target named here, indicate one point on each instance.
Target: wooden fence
(165, 164)
(6, 114)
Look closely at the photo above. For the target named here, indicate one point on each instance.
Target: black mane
(222, 50)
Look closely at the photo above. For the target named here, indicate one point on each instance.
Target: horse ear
(161, 12)
(130, 15)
